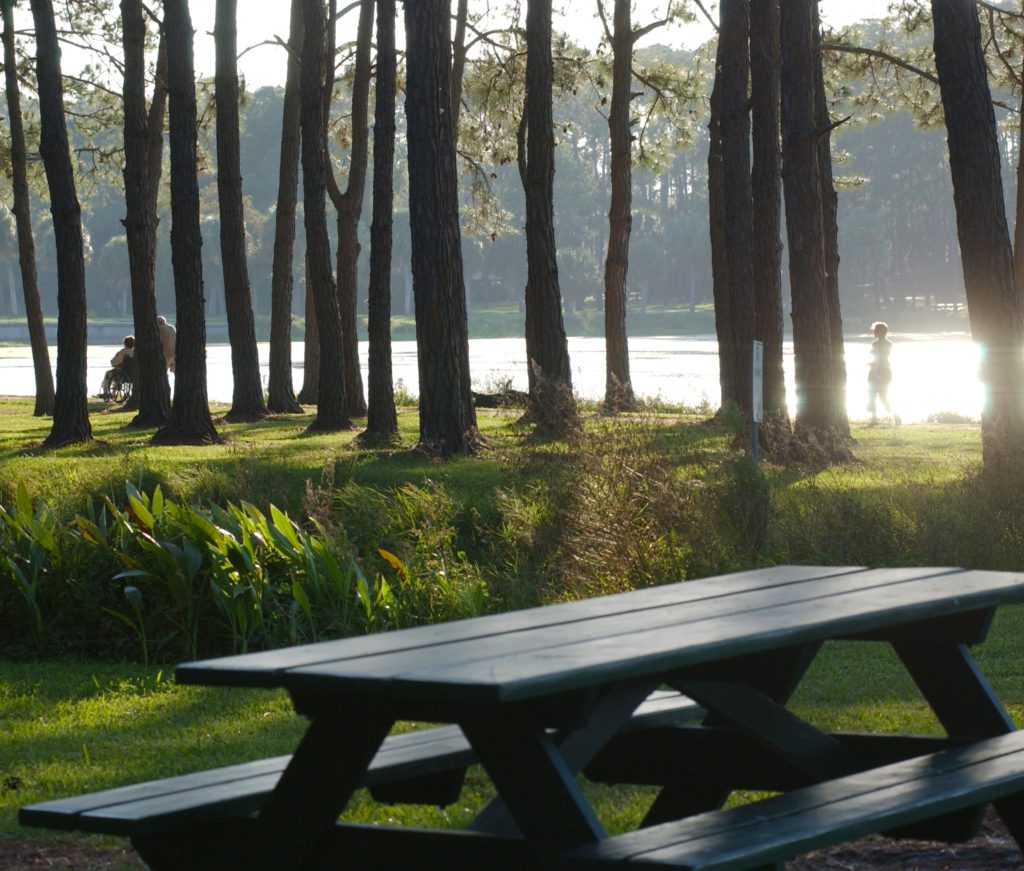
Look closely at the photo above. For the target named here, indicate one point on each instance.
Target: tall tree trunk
(816, 425)
(332, 409)
(997, 319)
(281, 393)
(310, 390)
(71, 411)
(553, 406)
(349, 206)
(151, 392)
(618, 391)
(247, 393)
(190, 421)
(1018, 220)
(734, 69)
(23, 222)
(719, 261)
(459, 50)
(155, 132)
(766, 183)
(447, 416)
(830, 227)
(381, 417)
(154, 170)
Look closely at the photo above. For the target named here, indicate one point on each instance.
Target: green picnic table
(684, 687)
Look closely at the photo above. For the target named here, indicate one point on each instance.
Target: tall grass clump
(615, 511)
(412, 530)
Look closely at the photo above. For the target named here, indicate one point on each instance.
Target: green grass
(270, 460)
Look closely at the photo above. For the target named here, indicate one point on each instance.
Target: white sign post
(757, 399)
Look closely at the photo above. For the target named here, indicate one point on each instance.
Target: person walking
(880, 373)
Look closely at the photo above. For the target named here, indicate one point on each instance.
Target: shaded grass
(271, 460)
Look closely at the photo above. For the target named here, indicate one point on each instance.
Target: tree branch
(881, 55)
(647, 28)
(902, 64)
(707, 14)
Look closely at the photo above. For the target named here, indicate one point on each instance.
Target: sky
(260, 20)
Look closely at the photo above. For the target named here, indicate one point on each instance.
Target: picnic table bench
(538, 697)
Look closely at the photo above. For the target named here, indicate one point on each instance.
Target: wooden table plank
(621, 623)
(262, 669)
(558, 667)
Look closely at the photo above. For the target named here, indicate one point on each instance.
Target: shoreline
(508, 324)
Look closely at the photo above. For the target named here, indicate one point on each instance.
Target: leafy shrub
(203, 580)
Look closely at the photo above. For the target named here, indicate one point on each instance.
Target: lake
(932, 372)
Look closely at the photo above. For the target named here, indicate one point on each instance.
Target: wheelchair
(121, 380)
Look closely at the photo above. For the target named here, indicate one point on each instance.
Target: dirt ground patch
(65, 855)
(992, 850)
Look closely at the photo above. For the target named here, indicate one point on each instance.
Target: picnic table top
(557, 648)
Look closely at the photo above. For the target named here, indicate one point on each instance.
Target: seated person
(122, 363)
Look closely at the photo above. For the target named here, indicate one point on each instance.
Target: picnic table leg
(954, 686)
(776, 674)
(966, 706)
(323, 773)
(535, 771)
(1011, 812)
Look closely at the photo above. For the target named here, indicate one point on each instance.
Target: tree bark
(381, 417)
(766, 184)
(447, 416)
(247, 391)
(281, 392)
(23, 222)
(719, 261)
(816, 425)
(151, 392)
(734, 70)
(190, 421)
(349, 206)
(997, 319)
(459, 62)
(71, 411)
(310, 391)
(1018, 221)
(618, 391)
(332, 409)
(155, 132)
(830, 228)
(553, 406)
(154, 170)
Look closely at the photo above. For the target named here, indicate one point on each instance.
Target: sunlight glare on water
(932, 373)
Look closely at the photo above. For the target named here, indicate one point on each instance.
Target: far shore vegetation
(506, 322)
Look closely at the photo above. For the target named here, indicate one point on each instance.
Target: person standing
(168, 338)
(880, 372)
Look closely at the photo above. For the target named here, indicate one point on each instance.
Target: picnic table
(541, 696)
